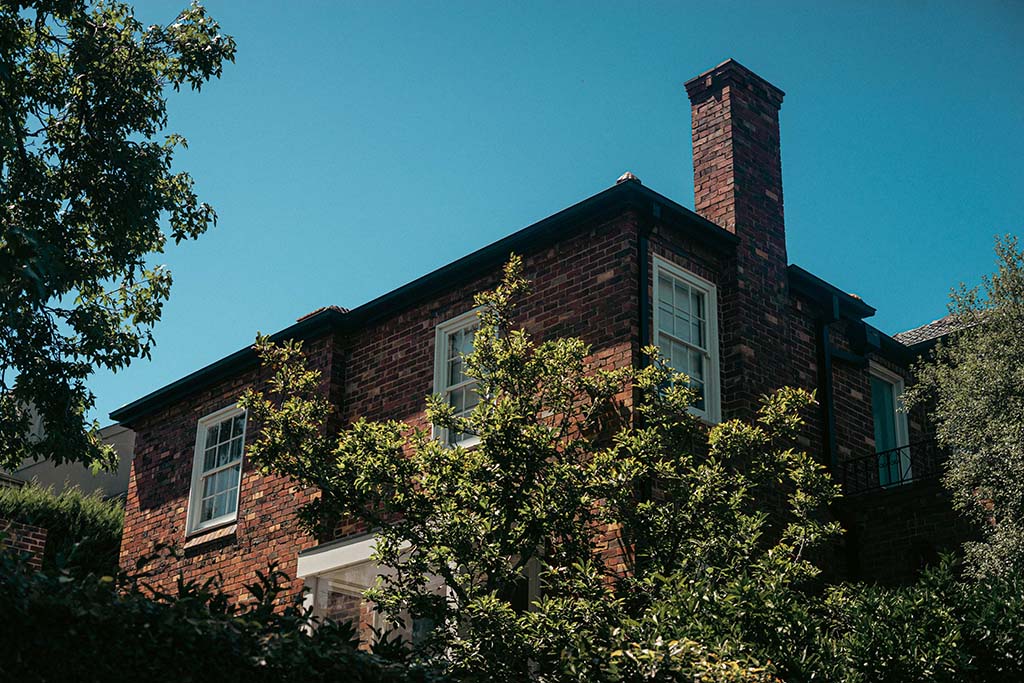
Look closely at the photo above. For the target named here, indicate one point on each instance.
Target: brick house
(621, 269)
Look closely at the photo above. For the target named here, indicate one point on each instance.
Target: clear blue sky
(356, 146)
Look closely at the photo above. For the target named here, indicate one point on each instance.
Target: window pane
(697, 365)
(665, 291)
(883, 408)
(454, 372)
(453, 345)
(683, 327)
(223, 454)
(210, 459)
(225, 431)
(457, 400)
(207, 511)
(666, 319)
(682, 298)
(236, 448)
(697, 303)
(467, 341)
(239, 427)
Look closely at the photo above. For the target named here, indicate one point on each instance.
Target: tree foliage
(974, 385)
(87, 196)
(83, 532)
(656, 558)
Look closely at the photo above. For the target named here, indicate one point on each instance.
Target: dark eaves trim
(240, 360)
(850, 307)
(626, 195)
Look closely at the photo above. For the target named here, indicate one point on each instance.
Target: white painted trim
(338, 555)
(441, 332)
(192, 525)
(713, 381)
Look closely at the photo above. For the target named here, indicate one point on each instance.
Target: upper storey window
(217, 469)
(453, 342)
(891, 433)
(686, 325)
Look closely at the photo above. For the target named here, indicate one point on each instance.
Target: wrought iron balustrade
(890, 469)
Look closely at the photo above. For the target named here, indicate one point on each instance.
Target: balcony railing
(890, 469)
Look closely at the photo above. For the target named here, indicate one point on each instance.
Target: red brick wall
(157, 505)
(23, 538)
(583, 286)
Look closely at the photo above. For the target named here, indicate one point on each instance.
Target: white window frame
(900, 419)
(441, 334)
(195, 492)
(712, 412)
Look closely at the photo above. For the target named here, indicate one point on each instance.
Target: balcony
(891, 469)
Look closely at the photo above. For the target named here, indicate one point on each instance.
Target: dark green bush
(941, 628)
(85, 628)
(83, 530)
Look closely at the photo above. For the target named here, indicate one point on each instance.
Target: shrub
(83, 531)
(939, 629)
(85, 628)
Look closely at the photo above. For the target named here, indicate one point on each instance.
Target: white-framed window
(453, 341)
(686, 331)
(890, 421)
(217, 469)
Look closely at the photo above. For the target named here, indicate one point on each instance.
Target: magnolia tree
(974, 386)
(569, 459)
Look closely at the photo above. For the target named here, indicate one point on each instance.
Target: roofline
(629, 193)
(894, 349)
(221, 369)
(803, 281)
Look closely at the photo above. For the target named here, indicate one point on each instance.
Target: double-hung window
(217, 469)
(453, 342)
(891, 434)
(686, 329)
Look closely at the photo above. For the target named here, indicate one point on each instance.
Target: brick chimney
(737, 170)
(737, 181)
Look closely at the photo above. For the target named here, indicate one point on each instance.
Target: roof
(933, 331)
(849, 305)
(627, 193)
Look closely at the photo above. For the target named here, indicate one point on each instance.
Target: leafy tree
(657, 560)
(974, 385)
(87, 196)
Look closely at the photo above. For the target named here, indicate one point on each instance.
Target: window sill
(210, 534)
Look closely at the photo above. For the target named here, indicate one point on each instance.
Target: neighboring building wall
(23, 538)
(58, 477)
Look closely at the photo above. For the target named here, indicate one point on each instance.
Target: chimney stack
(737, 170)
(737, 183)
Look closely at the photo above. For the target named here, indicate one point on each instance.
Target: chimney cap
(627, 176)
(731, 72)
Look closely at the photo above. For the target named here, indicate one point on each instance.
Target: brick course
(24, 538)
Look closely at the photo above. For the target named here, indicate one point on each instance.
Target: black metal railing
(890, 469)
